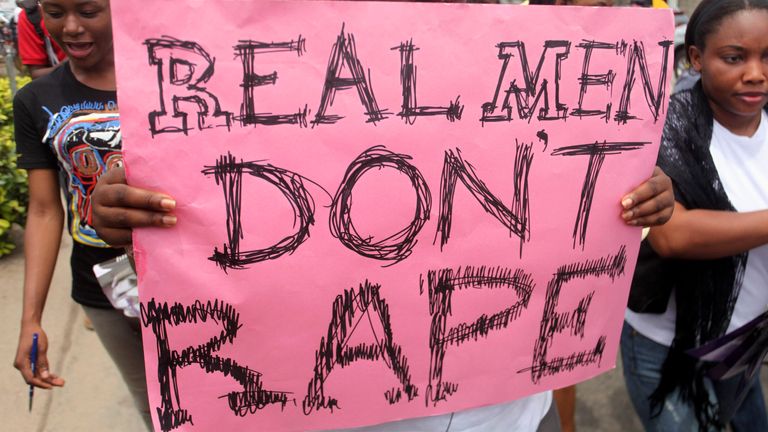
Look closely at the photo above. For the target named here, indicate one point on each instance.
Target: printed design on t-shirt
(87, 144)
(67, 111)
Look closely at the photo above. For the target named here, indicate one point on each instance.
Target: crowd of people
(702, 270)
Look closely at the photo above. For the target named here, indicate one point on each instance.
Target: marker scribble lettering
(441, 285)
(596, 152)
(246, 50)
(350, 310)
(523, 96)
(586, 80)
(183, 67)
(411, 109)
(229, 174)
(654, 100)
(543, 137)
(554, 322)
(344, 53)
(395, 247)
(516, 218)
(170, 413)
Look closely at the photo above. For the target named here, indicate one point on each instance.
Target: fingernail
(168, 204)
(627, 202)
(169, 220)
(44, 374)
(627, 215)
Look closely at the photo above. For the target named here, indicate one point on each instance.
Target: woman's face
(82, 28)
(734, 66)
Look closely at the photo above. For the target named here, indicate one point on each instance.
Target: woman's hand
(651, 203)
(118, 208)
(42, 377)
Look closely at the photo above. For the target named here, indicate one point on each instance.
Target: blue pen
(33, 360)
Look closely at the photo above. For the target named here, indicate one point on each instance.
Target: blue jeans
(642, 359)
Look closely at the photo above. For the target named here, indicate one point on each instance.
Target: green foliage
(13, 181)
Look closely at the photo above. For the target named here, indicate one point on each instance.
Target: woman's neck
(737, 124)
(99, 78)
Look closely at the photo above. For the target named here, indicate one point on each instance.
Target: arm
(118, 208)
(42, 237)
(651, 203)
(709, 234)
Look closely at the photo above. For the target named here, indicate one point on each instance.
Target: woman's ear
(694, 56)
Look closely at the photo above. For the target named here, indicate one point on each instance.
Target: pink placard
(385, 210)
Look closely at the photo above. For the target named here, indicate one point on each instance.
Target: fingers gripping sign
(651, 203)
(117, 208)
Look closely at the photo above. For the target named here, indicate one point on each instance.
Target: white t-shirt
(522, 415)
(742, 163)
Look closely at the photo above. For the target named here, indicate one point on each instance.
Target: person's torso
(81, 126)
(742, 163)
(741, 166)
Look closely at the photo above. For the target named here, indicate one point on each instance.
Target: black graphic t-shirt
(62, 124)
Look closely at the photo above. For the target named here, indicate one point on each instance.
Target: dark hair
(710, 13)
(541, 2)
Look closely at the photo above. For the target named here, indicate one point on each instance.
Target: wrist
(31, 319)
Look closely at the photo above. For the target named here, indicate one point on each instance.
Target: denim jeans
(642, 359)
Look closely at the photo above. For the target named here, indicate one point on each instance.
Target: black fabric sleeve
(32, 152)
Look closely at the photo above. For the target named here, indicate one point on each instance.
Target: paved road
(95, 399)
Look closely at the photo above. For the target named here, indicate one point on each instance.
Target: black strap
(36, 19)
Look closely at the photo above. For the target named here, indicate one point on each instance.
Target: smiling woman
(67, 128)
(84, 30)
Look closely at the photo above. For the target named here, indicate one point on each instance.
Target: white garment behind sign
(522, 415)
